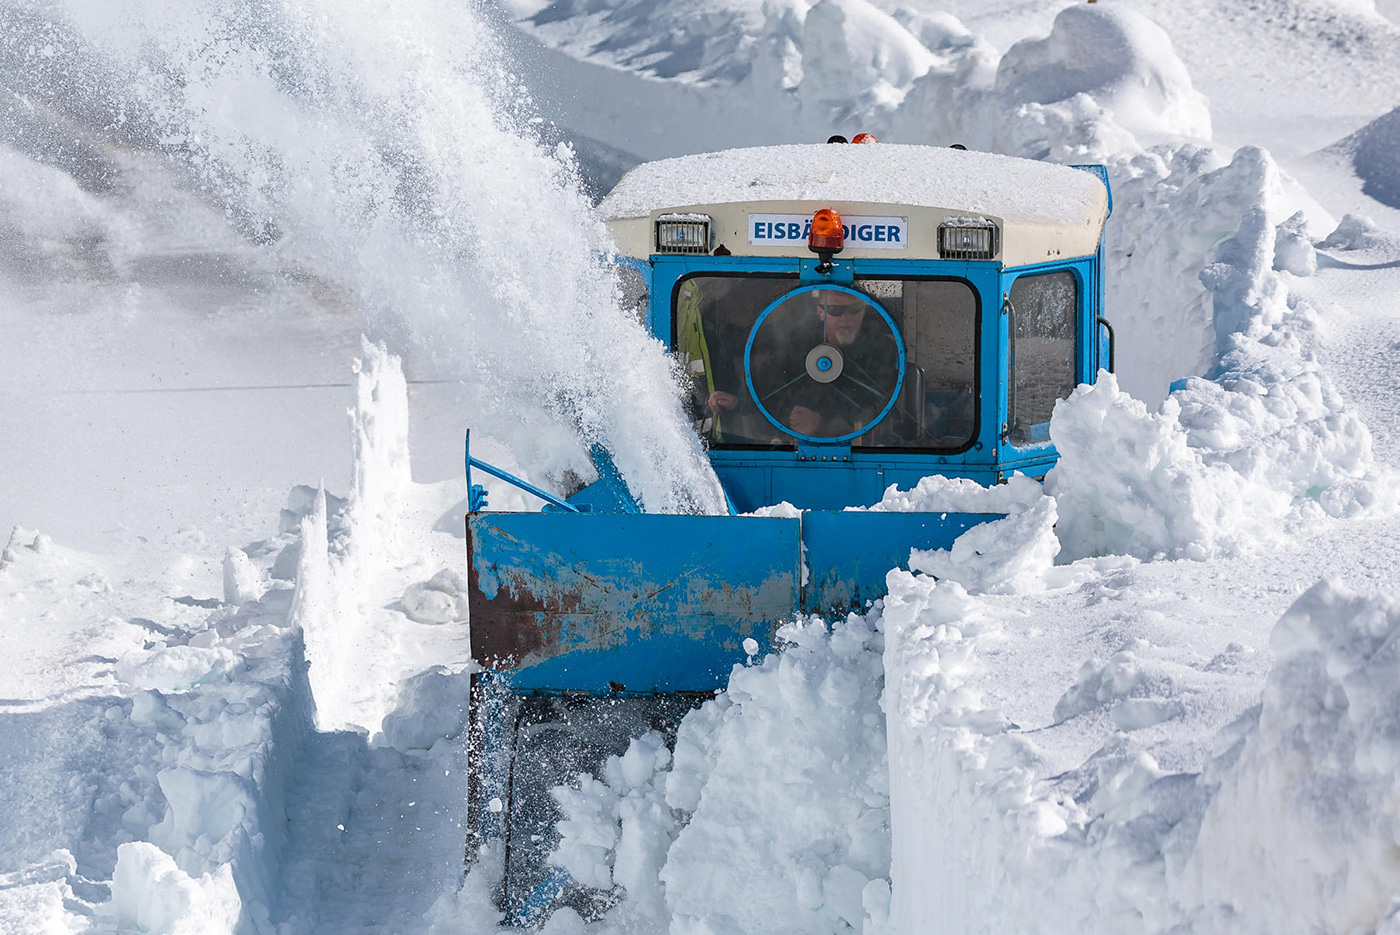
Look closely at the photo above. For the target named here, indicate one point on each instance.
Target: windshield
(823, 364)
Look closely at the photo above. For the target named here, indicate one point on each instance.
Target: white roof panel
(1015, 190)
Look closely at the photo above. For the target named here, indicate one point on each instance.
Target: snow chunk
(1361, 233)
(1293, 249)
(151, 894)
(1129, 483)
(178, 668)
(1004, 556)
(243, 581)
(440, 599)
(202, 808)
(783, 510)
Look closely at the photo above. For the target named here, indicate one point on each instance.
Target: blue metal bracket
(842, 272)
(476, 494)
(611, 478)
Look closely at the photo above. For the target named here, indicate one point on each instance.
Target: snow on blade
(772, 815)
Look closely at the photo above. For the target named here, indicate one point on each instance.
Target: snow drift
(1372, 152)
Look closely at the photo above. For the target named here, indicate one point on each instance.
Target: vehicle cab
(945, 301)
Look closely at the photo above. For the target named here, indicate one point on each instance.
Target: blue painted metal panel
(637, 603)
(806, 485)
(849, 553)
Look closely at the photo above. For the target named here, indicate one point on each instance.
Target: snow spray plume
(382, 150)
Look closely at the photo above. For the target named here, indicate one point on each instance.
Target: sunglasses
(840, 311)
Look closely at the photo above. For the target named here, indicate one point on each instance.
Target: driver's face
(842, 314)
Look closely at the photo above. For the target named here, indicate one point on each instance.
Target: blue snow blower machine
(849, 317)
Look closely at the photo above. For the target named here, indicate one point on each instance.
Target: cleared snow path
(374, 836)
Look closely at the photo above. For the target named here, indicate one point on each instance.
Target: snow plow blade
(648, 603)
(626, 603)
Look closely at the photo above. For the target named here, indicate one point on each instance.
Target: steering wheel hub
(824, 363)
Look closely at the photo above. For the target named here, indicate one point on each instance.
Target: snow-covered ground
(1159, 696)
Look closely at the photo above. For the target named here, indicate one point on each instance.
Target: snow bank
(793, 72)
(351, 599)
(881, 58)
(772, 813)
(164, 743)
(1101, 79)
(1289, 824)
(1121, 59)
(177, 784)
(228, 745)
(1267, 437)
(959, 783)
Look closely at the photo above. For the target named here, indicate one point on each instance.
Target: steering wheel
(829, 349)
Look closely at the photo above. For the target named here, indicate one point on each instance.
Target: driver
(869, 365)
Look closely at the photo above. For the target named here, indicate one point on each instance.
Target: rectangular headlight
(683, 233)
(964, 241)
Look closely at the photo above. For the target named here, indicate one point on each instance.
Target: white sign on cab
(866, 233)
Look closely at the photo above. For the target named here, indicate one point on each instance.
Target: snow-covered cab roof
(892, 197)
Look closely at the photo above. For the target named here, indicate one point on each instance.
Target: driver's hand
(722, 400)
(804, 421)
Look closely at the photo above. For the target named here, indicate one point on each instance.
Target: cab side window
(1044, 338)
